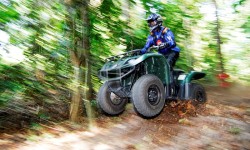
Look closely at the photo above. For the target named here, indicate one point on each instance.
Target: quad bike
(146, 81)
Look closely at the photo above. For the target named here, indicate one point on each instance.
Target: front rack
(129, 53)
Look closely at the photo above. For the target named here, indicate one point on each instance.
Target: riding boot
(172, 83)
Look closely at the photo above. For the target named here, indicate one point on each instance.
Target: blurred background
(51, 51)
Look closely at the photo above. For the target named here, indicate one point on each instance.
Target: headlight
(132, 61)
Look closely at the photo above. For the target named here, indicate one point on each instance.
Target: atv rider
(162, 37)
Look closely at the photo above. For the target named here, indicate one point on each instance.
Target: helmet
(154, 21)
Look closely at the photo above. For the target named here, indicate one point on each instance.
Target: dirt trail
(222, 123)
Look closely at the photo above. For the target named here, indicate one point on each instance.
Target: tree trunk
(87, 60)
(86, 48)
(218, 38)
(76, 105)
(126, 13)
(81, 60)
(76, 101)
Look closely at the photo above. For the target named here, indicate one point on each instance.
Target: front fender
(155, 64)
(140, 59)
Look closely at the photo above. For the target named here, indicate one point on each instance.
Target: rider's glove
(163, 45)
(143, 51)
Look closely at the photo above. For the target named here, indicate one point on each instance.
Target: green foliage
(11, 82)
(7, 13)
(46, 66)
(238, 3)
(246, 26)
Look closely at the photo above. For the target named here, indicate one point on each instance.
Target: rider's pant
(172, 57)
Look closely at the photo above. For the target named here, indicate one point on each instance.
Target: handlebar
(133, 52)
(153, 47)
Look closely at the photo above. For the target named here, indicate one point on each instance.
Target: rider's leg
(172, 58)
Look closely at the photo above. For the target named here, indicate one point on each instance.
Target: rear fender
(193, 75)
(186, 85)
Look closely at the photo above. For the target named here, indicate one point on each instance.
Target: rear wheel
(108, 101)
(148, 96)
(198, 93)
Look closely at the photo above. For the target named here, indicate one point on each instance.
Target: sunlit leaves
(7, 13)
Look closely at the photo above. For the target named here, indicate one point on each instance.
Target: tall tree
(80, 56)
(218, 37)
(84, 10)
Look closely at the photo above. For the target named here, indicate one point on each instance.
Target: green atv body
(146, 81)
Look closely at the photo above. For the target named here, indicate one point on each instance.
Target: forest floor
(222, 123)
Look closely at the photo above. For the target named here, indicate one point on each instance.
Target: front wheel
(108, 101)
(148, 96)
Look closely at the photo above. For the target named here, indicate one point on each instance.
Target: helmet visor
(152, 23)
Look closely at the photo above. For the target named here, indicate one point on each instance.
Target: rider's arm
(150, 42)
(169, 37)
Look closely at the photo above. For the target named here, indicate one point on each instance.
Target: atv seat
(178, 71)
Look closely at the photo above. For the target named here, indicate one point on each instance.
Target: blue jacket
(164, 35)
